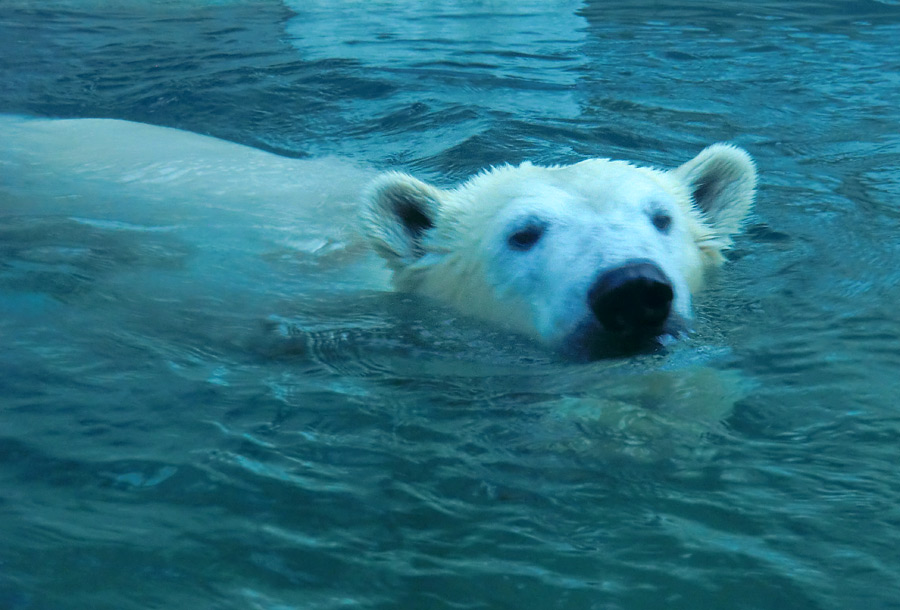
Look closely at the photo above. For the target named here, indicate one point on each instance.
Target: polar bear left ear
(399, 211)
(722, 183)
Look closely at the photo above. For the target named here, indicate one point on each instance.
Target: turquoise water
(192, 421)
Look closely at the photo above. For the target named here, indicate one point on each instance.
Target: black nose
(633, 299)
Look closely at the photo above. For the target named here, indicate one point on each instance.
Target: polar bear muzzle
(632, 300)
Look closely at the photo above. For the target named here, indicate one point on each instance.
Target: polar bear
(586, 258)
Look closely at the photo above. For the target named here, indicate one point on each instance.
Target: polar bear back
(241, 210)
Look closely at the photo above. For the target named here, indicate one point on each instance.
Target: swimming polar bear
(581, 257)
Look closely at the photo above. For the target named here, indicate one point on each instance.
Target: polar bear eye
(525, 238)
(662, 222)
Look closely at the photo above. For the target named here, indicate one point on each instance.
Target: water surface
(180, 429)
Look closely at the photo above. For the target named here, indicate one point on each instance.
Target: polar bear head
(580, 257)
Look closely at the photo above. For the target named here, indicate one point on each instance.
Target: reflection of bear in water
(580, 256)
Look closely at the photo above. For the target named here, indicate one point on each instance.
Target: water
(197, 418)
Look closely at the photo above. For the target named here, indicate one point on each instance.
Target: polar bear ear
(722, 183)
(399, 212)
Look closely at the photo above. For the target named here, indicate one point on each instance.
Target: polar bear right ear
(399, 211)
(722, 182)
